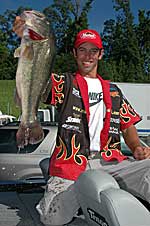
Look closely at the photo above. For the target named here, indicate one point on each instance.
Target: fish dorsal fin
(26, 51)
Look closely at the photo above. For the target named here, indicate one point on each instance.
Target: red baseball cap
(87, 35)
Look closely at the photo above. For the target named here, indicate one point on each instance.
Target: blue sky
(101, 11)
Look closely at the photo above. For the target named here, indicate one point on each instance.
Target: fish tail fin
(22, 136)
(32, 134)
(36, 133)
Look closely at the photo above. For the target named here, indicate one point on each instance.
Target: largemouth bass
(36, 54)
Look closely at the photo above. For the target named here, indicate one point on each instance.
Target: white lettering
(75, 120)
(70, 127)
(97, 218)
(76, 93)
(115, 120)
(113, 130)
(88, 35)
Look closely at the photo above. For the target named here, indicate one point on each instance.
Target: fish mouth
(36, 24)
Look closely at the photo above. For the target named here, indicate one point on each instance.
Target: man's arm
(132, 140)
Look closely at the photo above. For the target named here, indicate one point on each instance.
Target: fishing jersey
(69, 93)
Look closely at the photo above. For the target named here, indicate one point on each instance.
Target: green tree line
(127, 45)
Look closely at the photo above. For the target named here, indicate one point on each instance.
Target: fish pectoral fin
(17, 52)
(28, 52)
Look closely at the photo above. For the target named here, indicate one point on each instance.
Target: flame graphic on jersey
(62, 152)
(126, 112)
(58, 86)
(112, 153)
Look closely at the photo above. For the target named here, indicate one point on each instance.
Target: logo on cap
(88, 35)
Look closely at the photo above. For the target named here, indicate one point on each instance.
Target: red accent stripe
(84, 93)
(108, 104)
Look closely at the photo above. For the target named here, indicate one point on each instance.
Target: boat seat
(104, 203)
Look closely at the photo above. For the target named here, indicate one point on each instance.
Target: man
(92, 113)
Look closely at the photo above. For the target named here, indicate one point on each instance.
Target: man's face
(87, 56)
